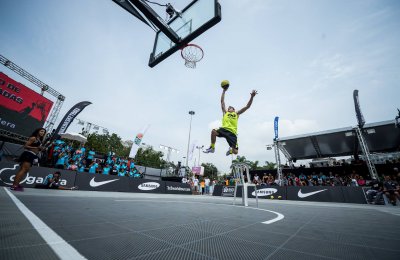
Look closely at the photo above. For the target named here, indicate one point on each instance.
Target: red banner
(22, 110)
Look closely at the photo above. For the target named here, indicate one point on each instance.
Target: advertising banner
(36, 175)
(137, 141)
(70, 116)
(146, 186)
(22, 110)
(315, 193)
(354, 195)
(99, 182)
(198, 170)
(177, 188)
(229, 191)
(267, 192)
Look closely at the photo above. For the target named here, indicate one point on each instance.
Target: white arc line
(62, 249)
(279, 215)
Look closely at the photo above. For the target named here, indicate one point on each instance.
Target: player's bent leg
(214, 135)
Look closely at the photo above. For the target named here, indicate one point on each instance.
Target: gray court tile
(179, 235)
(124, 246)
(332, 249)
(222, 247)
(258, 236)
(42, 252)
(353, 238)
(283, 254)
(174, 254)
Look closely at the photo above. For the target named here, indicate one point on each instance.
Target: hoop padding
(192, 53)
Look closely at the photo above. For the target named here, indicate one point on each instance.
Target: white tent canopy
(74, 136)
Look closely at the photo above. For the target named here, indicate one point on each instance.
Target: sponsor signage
(36, 175)
(315, 193)
(268, 192)
(99, 182)
(177, 188)
(354, 195)
(22, 110)
(146, 186)
(229, 191)
(198, 170)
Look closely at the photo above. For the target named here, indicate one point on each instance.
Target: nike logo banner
(305, 195)
(94, 183)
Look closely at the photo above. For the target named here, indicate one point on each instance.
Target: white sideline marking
(279, 215)
(59, 245)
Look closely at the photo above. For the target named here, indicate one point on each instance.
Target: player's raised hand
(253, 93)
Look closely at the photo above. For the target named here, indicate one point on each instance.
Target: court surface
(112, 225)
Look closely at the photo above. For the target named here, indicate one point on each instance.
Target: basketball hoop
(192, 53)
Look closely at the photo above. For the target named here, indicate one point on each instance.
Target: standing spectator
(90, 157)
(202, 186)
(196, 184)
(207, 185)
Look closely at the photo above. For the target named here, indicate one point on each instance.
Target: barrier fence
(341, 194)
(92, 182)
(98, 182)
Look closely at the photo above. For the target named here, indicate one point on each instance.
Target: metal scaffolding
(365, 150)
(49, 124)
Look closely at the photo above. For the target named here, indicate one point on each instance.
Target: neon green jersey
(230, 121)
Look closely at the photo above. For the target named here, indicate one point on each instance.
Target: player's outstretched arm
(223, 101)
(252, 95)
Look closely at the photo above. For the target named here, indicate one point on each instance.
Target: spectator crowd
(64, 156)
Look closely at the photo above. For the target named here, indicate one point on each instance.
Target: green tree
(150, 158)
(269, 165)
(210, 170)
(106, 143)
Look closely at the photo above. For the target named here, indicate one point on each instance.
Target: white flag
(136, 142)
(191, 149)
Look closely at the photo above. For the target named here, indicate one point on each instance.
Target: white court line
(279, 215)
(59, 245)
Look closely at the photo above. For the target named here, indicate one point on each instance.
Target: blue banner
(276, 127)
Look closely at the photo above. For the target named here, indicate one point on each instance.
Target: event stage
(116, 225)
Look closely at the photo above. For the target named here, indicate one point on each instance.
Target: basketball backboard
(192, 21)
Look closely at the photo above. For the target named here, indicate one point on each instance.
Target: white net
(192, 53)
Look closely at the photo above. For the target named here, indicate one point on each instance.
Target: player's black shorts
(230, 137)
(28, 157)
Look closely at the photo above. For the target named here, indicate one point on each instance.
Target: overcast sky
(304, 57)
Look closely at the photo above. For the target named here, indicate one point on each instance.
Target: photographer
(52, 182)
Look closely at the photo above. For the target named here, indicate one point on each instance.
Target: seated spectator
(391, 189)
(93, 167)
(374, 195)
(121, 172)
(361, 181)
(114, 170)
(106, 169)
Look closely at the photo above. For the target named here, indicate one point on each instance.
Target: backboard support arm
(150, 14)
